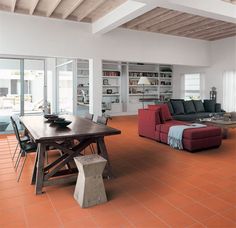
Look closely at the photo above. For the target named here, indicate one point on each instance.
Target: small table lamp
(143, 81)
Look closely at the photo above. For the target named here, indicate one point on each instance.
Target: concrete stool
(89, 190)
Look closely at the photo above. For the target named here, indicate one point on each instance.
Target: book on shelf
(111, 73)
(142, 74)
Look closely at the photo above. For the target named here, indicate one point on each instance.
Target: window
(192, 86)
(229, 91)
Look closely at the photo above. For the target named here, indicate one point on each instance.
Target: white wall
(38, 36)
(223, 57)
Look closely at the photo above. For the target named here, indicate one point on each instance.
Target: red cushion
(203, 132)
(192, 133)
(165, 127)
(196, 144)
(164, 111)
(157, 108)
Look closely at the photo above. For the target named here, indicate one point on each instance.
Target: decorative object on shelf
(213, 93)
(109, 91)
(117, 100)
(143, 81)
(227, 116)
(85, 96)
(105, 82)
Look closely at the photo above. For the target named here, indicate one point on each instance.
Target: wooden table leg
(225, 133)
(35, 168)
(40, 169)
(103, 152)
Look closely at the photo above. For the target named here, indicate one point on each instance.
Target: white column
(75, 83)
(52, 83)
(95, 86)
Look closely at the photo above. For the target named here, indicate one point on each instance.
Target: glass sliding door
(10, 92)
(34, 96)
(64, 69)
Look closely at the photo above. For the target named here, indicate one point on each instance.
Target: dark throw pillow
(170, 107)
(199, 106)
(218, 107)
(210, 105)
(178, 106)
(189, 107)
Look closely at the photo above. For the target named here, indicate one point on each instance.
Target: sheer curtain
(229, 91)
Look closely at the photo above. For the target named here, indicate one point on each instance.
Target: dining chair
(26, 147)
(102, 120)
(88, 116)
(24, 138)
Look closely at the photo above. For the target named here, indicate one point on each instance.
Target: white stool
(89, 190)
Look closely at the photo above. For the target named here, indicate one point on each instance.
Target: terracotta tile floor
(155, 186)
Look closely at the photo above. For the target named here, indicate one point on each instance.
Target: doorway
(22, 89)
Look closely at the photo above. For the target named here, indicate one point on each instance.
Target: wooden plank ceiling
(171, 22)
(230, 1)
(159, 20)
(77, 10)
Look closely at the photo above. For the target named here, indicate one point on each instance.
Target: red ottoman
(195, 139)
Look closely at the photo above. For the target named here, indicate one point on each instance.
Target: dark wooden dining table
(48, 135)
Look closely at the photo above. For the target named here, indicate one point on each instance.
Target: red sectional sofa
(155, 121)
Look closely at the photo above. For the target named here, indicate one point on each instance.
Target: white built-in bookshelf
(111, 86)
(121, 92)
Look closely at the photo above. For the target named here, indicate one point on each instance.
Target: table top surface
(41, 130)
(220, 122)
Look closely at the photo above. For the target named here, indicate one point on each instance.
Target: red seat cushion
(165, 127)
(200, 133)
(193, 133)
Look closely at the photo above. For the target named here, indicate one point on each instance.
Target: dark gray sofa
(193, 109)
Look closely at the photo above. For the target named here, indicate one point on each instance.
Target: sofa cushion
(209, 105)
(164, 111)
(189, 107)
(165, 127)
(218, 107)
(191, 117)
(200, 133)
(199, 106)
(178, 107)
(193, 133)
(170, 107)
(159, 114)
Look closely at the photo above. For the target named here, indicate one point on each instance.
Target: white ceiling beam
(33, 6)
(53, 6)
(13, 5)
(71, 9)
(120, 15)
